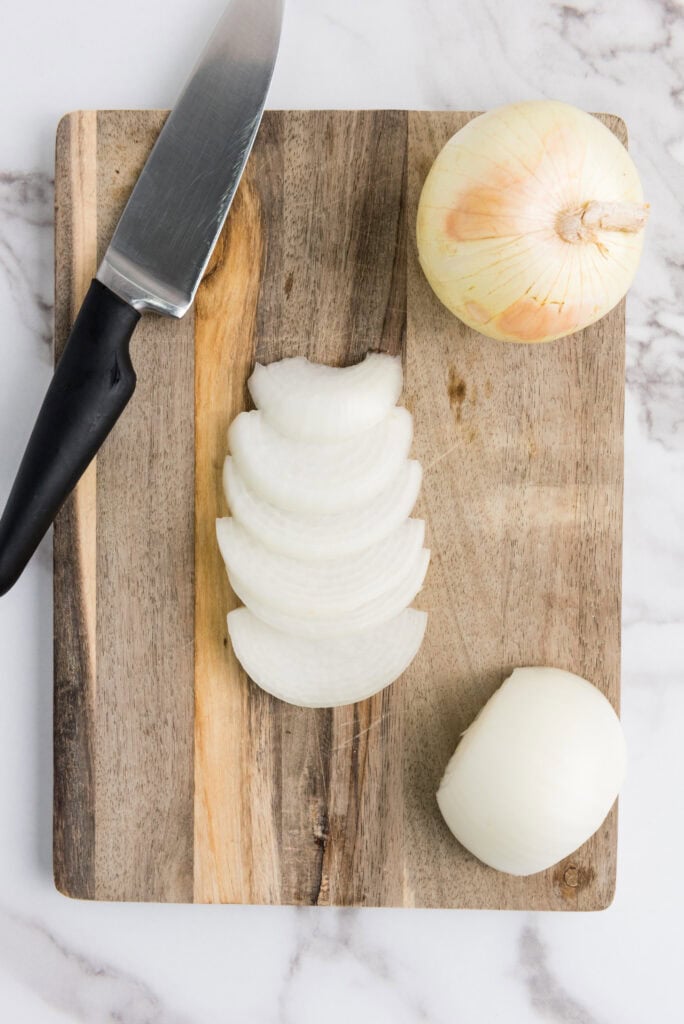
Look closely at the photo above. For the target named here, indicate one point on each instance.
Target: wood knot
(456, 390)
(321, 831)
(571, 879)
(571, 876)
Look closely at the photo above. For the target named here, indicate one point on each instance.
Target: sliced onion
(314, 402)
(375, 612)
(322, 537)
(314, 478)
(325, 673)
(319, 589)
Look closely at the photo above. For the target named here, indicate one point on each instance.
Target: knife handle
(92, 383)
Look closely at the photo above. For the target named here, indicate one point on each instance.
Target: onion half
(536, 773)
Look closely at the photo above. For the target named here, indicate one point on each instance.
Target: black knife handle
(92, 384)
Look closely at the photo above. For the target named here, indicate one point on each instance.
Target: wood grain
(275, 766)
(224, 832)
(75, 576)
(145, 595)
(251, 800)
(124, 646)
(522, 447)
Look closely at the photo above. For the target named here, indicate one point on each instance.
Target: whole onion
(530, 223)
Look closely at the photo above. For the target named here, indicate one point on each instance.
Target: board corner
(67, 886)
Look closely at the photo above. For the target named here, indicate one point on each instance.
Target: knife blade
(154, 263)
(168, 229)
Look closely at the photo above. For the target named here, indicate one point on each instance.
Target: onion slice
(316, 478)
(314, 402)
(366, 616)
(321, 537)
(325, 673)
(319, 589)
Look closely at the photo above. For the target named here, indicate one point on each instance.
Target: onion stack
(320, 547)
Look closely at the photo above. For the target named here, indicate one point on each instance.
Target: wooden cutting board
(175, 777)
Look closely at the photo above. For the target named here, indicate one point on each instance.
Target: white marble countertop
(146, 964)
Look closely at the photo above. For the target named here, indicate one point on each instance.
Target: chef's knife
(154, 263)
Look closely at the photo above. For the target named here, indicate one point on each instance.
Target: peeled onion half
(325, 673)
(536, 773)
(314, 402)
(319, 478)
(323, 537)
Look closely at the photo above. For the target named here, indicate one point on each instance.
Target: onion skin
(536, 773)
(531, 222)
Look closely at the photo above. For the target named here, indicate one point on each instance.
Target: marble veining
(322, 946)
(72, 983)
(550, 999)
(26, 247)
(212, 965)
